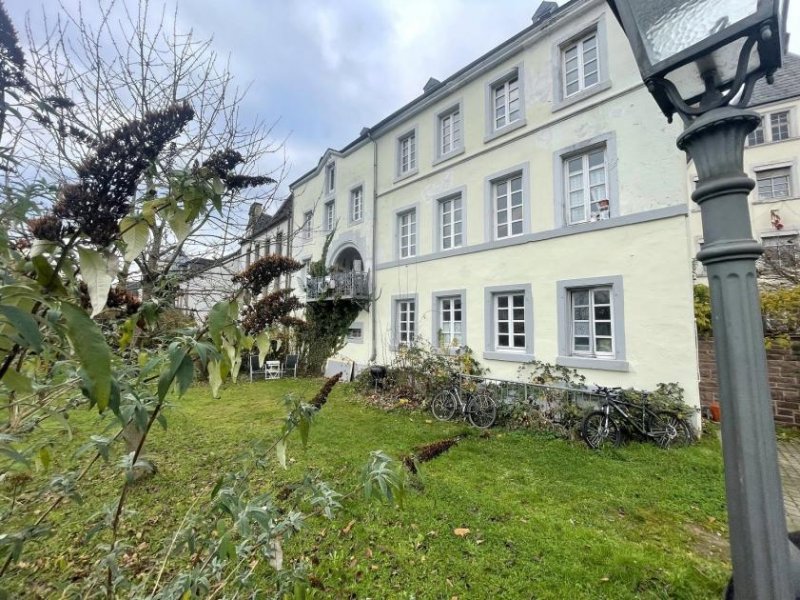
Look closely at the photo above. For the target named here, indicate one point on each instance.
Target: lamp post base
(758, 538)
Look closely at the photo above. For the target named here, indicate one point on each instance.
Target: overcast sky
(325, 69)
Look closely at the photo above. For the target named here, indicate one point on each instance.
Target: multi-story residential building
(202, 282)
(267, 234)
(771, 159)
(531, 205)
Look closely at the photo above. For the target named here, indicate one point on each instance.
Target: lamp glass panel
(688, 78)
(668, 27)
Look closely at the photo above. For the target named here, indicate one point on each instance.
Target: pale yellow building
(531, 205)
(771, 158)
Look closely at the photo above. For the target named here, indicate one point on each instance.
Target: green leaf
(25, 324)
(179, 225)
(280, 450)
(40, 247)
(177, 356)
(90, 345)
(215, 377)
(185, 374)
(45, 457)
(17, 382)
(263, 341)
(98, 270)
(218, 319)
(135, 233)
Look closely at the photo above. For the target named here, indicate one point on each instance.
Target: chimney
(255, 210)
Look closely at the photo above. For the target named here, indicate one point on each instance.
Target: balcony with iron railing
(345, 284)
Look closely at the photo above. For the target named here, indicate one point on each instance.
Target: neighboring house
(267, 234)
(202, 282)
(530, 206)
(771, 158)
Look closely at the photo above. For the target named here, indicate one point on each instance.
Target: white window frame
(758, 136)
(407, 150)
(573, 36)
(579, 46)
(493, 298)
(308, 216)
(591, 358)
(450, 329)
(772, 174)
(603, 211)
(562, 213)
(330, 178)
(512, 199)
(788, 125)
(502, 83)
(451, 240)
(405, 319)
(330, 215)
(452, 117)
(356, 204)
(765, 133)
(490, 193)
(407, 241)
(592, 299)
(355, 339)
(279, 243)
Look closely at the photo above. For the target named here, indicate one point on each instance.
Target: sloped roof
(265, 221)
(787, 83)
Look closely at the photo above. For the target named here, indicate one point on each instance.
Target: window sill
(582, 95)
(400, 177)
(586, 362)
(445, 157)
(505, 129)
(356, 222)
(775, 200)
(508, 356)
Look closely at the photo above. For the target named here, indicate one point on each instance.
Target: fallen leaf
(349, 526)
(478, 541)
(461, 531)
(604, 579)
(369, 552)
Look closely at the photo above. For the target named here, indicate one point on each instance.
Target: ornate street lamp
(701, 59)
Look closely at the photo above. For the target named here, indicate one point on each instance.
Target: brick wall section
(783, 365)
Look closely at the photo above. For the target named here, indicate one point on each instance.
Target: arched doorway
(348, 260)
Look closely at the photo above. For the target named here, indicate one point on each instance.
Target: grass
(547, 518)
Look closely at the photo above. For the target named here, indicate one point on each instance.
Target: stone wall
(784, 379)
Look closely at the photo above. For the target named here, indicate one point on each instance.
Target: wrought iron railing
(348, 284)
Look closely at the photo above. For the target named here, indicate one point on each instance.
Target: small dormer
(432, 84)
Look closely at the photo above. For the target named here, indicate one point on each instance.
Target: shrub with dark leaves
(322, 395)
(428, 452)
(264, 271)
(223, 162)
(12, 60)
(118, 298)
(272, 309)
(47, 227)
(108, 178)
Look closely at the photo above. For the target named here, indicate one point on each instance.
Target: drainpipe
(373, 285)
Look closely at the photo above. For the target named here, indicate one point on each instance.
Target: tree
(135, 61)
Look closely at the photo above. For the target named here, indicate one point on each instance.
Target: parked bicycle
(601, 427)
(477, 405)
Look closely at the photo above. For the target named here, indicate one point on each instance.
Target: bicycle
(478, 406)
(664, 427)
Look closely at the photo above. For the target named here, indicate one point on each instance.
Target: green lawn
(547, 518)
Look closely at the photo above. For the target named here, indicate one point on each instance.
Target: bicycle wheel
(443, 405)
(482, 410)
(669, 430)
(598, 430)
